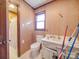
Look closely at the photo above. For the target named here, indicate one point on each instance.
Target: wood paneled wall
(26, 26)
(59, 14)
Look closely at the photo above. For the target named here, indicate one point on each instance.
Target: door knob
(8, 41)
(0, 43)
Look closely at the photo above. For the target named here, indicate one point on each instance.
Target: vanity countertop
(59, 41)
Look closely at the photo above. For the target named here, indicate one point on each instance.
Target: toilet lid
(35, 45)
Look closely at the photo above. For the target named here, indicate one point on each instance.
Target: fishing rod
(70, 50)
(67, 43)
(63, 41)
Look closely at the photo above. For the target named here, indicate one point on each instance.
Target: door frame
(18, 29)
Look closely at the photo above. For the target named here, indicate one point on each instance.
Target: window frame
(39, 13)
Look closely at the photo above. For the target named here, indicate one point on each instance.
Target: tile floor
(27, 55)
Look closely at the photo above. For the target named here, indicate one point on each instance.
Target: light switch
(22, 41)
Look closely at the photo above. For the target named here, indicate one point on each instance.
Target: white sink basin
(49, 42)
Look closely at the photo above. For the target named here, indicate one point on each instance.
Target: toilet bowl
(35, 47)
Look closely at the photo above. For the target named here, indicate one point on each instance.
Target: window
(40, 21)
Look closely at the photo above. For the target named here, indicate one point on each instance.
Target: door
(3, 41)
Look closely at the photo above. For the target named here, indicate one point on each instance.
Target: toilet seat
(35, 45)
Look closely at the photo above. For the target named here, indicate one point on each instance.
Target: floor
(27, 55)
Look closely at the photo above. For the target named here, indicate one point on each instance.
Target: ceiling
(37, 3)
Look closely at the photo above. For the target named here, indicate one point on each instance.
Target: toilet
(35, 47)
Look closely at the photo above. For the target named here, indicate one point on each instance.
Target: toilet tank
(39, 37)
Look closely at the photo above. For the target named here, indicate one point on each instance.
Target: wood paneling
(59, 14)
(26, 26)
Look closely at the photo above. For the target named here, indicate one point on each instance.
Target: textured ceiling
(37, 3)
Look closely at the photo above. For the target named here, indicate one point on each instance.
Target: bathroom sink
(55, 41)
(52, 43)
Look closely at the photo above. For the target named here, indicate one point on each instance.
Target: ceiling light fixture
(12, 6)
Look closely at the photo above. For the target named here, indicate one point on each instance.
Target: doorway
(12, 18)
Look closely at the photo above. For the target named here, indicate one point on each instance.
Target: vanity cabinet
(52, 48)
